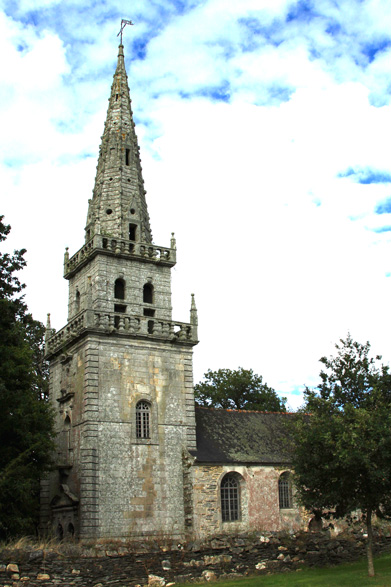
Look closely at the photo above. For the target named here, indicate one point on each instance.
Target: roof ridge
(245, 411)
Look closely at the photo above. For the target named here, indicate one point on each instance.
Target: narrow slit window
(127, 156)
(67, 433)
(132, 232)
(143, 419)
(77, 301)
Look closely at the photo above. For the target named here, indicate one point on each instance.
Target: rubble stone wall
(157, 564)
(259, 501)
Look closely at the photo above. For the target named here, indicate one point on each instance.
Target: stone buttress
(121, 379)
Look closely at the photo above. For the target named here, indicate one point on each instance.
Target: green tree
(241, 389)
(342, 450)
(26, 423)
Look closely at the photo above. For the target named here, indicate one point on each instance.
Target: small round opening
(132, 211)
(109, 211)
(111, 179)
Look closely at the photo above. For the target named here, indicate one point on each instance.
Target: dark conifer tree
(26, 423)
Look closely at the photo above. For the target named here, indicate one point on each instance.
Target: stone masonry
(259, 501)
(120, 352)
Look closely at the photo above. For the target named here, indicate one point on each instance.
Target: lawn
(352, 574)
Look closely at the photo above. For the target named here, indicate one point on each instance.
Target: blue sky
(263, 127)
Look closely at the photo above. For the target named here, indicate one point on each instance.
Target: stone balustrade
(69, 332)
(103, 321)
(116, 246)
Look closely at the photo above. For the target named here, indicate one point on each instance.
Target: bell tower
(121, 380)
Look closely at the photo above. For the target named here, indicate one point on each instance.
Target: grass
(27, 545)
(346, 575)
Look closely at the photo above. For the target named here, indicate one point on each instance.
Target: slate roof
(239, 436)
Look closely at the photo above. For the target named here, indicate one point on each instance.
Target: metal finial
(123, 25)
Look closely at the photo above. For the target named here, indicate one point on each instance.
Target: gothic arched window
(119, 289)
(148, 293)
(143, 420)
(230, 498)
(285, 491)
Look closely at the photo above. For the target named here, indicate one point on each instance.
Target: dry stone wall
(118, 564)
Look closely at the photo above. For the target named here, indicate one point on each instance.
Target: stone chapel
(135, 458)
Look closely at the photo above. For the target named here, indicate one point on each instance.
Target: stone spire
(118, 208)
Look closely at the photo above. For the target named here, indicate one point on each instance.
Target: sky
(264, 129)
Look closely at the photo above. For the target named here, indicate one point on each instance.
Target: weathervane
(123, 25)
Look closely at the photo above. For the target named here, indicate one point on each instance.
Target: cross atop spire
(123, 25)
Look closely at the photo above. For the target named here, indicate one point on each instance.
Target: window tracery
(143, 420)
(285, 491)
(230, 498)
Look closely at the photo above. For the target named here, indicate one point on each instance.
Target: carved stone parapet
(116, 246)
(122, 324)
(70, 264)
(62, 337)
(89, 318)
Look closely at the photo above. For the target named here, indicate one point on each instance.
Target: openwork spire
(118, 207)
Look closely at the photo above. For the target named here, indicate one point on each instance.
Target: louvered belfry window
(230, 499)
(143, 417)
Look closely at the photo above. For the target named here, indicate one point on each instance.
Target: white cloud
(27, 5)
(32, 91)
(280, 250)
